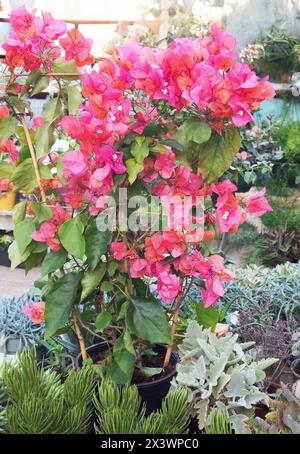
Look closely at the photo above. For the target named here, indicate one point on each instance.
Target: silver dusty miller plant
(218, 373)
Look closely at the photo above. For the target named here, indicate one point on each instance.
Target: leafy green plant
(278, 51)
(218, 422)
(120, 411)
(282, 217)
(218, 371)
(40, 404)
(5, 240)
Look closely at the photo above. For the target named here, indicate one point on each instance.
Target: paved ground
(14, 282)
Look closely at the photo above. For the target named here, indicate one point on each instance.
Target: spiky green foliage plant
(41, 404)
(120, 411)
(218, 422)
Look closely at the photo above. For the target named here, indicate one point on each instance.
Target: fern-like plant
(40, 404)
(120, 411)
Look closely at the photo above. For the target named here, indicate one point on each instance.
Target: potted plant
(5, 240)
(117, 260)
(17, 330)
(7, 195)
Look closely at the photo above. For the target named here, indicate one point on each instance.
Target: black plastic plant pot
(4, 259)
(153, 392)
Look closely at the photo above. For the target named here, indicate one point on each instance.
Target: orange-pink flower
(35, 311)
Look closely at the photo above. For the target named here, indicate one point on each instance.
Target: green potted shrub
(116, 258)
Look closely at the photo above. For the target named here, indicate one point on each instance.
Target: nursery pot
(7, 200)
(4, 259)
(152, 392)
(295, 367)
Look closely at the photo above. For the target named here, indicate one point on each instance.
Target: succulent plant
(218, 371)
(280, 246)
(270, 293)
(285, 414)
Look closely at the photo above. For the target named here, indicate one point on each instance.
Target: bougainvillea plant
(148, 125)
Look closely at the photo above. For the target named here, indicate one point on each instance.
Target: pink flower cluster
(168, 258)
(229, 212)
(33, 41)
(173, 255)
(120, 94)
(35, 311)
(47, 232)
(91, 178)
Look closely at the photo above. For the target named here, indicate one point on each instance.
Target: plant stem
(34, 160)
(177, 304)
(79, 336)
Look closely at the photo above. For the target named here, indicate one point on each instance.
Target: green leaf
(23, 154)
(160, 148)
(122, 368)
(106, 286)
(31, 80)
(37, 247)
(140, 288)
(45, 172)
(74, 99)
(216, 155)
(112, 268)
(147, 320)
(52, 110)
(60, 300)
(71, 237)
(91, 279)
(19, 212)
(34, 260)
(23, 177)
(19, 105)
(6, 170)
(133, 169)
(174, 144)
(193, 130)
(44, 139)
(65, 68)
(42, 212)
(208, 317)
(140, 149)
(150, 371)
(23, 233)
(103, 320)
(39, 85)
(96, 244)
(14, 255)
(7, 127)
(53, 261)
